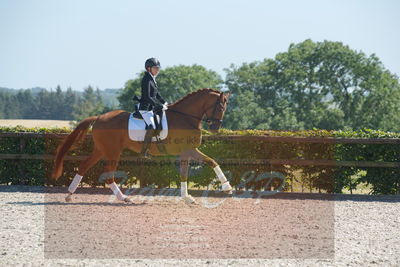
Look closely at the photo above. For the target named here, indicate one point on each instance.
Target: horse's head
(215, 110)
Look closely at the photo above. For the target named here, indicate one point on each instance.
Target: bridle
(207, 120)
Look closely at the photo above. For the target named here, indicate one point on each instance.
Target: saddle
(137, 127)
(157, 120)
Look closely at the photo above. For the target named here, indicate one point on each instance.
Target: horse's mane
(194, 93)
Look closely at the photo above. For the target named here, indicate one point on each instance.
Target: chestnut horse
(110, 138)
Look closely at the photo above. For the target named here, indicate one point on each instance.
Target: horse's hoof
(227, 188)
(128, 200)
(189, 199)
(68, 198)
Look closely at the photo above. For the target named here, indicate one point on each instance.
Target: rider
(150, 100)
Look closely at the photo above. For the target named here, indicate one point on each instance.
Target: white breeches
(148, 117)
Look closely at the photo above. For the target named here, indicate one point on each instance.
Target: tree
(317, 85)
(256, 101)
(90, 104)
(24, 101)
(10, 109)
(70, 101)
(43, 105)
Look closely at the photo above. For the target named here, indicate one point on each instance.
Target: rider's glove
(165, 106)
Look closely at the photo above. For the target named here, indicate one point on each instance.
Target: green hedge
(243, 175)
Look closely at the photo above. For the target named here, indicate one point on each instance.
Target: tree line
(51, 105)
(323, 85)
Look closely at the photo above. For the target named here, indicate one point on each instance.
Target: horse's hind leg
(83, 167)
(109, 172)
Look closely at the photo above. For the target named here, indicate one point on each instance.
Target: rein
(208, 120)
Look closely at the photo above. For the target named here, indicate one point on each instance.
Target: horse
(110, 138)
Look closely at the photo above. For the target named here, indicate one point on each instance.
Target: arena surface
(37, 123)
(37, 228)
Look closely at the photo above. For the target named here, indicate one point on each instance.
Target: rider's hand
(165, 107)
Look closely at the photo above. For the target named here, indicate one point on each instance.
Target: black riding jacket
(150, 93)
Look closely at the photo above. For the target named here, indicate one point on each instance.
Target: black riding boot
(146, 143)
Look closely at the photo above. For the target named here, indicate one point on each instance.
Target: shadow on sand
(196, 193)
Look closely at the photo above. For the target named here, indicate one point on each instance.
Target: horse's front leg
(184, 168)
(200, 156)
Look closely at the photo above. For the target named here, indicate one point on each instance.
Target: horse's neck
(193, 106)
(190, 111)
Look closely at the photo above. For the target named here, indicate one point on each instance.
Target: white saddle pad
(137, 128)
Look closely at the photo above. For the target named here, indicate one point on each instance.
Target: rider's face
(154, 70)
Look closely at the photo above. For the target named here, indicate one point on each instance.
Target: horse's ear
(221, 96)
(226, 96)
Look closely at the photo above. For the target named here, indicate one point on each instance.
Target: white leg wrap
(74, 184)
(220, 174)
(184, 191)
(117, 192)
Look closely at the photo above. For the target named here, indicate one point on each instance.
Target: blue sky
(105, 43)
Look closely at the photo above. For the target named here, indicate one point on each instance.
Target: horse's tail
(73, 138)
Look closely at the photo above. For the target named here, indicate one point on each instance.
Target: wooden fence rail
(272, 139)
(287, 139)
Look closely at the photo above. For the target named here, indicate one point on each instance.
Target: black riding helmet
(152, 62)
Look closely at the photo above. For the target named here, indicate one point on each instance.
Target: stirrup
(145, 152)
(145, 155)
